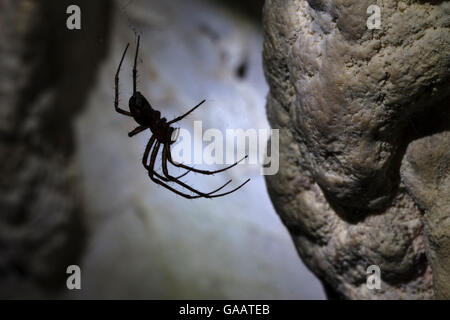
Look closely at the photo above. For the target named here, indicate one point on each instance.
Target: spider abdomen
(142, 111)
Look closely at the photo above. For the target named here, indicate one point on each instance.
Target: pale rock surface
(427, 176)
(348, 101)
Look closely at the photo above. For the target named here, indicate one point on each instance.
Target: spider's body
(142, 111)
(149, 118)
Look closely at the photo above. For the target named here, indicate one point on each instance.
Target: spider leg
(152, 174)
(116, 89)
(228, 192)
(166, 153)
(182, 175)
(186, 114)
(173, 179)
(134, 66)
(145, 159)
(178, 177)
(136, 131)
(180, 165)
(147, 151)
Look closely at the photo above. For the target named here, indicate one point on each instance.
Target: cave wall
(350, 104)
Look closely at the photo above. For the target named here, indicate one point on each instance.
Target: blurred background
(73, 189)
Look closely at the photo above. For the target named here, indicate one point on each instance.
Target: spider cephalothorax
(162, 134)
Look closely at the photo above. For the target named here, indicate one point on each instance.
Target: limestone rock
(42, 86)
(427, 176)
(348, 101)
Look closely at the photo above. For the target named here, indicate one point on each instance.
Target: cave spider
(162, 132)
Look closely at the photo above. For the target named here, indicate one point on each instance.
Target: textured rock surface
(147, 242)
(349, 101)
(427, 176)
(45, 71)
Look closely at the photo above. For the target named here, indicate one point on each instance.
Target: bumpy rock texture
(427, 175)
(349, 101)
(45, 73)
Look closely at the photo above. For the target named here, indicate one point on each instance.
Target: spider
(162, 132)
